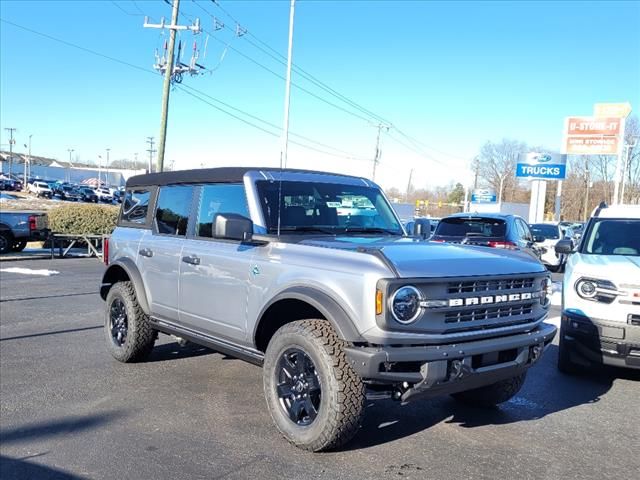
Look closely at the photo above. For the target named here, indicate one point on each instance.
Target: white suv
(601, 292)
(40, 189)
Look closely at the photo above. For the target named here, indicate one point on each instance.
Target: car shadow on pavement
(19, 469)
(174, 351)
(545, 392)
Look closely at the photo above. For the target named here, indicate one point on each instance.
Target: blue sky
(451, 75)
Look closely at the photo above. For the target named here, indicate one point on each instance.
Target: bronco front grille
(490, 285)
(479, 314)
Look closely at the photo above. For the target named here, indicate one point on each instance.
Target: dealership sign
(592, 135)
(544, 166)
(484, 195)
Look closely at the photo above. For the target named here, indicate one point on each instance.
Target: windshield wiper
(371, 230)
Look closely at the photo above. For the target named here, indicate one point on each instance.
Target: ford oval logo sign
(543, 158)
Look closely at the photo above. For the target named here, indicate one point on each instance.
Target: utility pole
(11, 142)
(287, 91)
(151, 151)
(626, 164)
(406, 197)
(585, 214)
(476, 167)
(619, 161)
(376, 158)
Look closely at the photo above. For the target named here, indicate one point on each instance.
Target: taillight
(507, 245)
(105, 250)
(32, 222)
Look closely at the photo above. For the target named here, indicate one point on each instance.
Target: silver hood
(413, 259)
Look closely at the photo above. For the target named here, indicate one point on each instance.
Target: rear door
(215, 273)
(160, 249)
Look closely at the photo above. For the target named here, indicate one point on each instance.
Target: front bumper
(602, 341)
(443, 369)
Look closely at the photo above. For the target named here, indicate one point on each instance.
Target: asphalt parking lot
(68, 410)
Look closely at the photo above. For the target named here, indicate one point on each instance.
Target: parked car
(600, 321)
(11, 184)
(67, 192)
(311, 275)
(494, 230)
(40, 189)
(104, 195)
(88, 195)
(551, 234)
(19, 227)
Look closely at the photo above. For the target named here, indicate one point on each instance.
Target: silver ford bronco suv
(312, 276)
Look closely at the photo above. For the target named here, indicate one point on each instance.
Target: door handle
(145, 252)
(191, 260)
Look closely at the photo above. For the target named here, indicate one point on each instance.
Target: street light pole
(287, 92)
(106, 176)
(626, 164)
(70, 150)
(26, 173)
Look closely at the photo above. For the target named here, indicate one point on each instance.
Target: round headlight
(586, 288)
(405, 304)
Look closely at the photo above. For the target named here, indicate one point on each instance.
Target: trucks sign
(544, 166)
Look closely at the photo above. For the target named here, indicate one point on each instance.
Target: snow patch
(553, 321)
(30, 271)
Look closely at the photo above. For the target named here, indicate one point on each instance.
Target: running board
(249, 355)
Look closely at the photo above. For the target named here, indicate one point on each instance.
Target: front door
(215, 273)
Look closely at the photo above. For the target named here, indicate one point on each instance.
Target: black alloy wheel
(118, 322)
(298, 386)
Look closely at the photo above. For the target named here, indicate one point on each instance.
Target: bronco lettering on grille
(484, 300)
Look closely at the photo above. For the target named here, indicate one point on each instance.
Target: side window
(172, 212)
(136, 205)
(219, 198)
(526, 233)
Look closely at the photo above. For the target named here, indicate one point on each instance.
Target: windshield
(326, 207)
(545, 231)
(462, 227)
(613, 237)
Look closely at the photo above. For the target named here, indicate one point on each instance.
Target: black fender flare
(326, 305)
(134, 275)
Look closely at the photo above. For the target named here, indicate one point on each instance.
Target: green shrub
(83, 219)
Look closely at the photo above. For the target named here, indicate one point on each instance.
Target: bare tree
(497, 165)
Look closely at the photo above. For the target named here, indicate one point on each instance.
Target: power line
(277, 56)
(126, 12)
(346, 155)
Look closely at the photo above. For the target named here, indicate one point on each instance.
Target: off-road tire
(342, 390)
(6, 241)
(494, 394)
(565, 364)
(18, 245)
(140, 336)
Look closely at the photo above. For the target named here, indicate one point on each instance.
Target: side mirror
(422, 228)
(538, 239)
(232, 226)
(564, 247)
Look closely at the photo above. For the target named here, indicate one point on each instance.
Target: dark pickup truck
(19, 227)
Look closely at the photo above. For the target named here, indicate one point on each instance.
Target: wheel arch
(301, 303)
(124, 270)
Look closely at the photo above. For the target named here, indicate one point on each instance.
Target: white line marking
(30, 271)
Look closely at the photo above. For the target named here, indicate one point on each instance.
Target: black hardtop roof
(210, 175)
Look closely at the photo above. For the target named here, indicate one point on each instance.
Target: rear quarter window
(135, 207)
